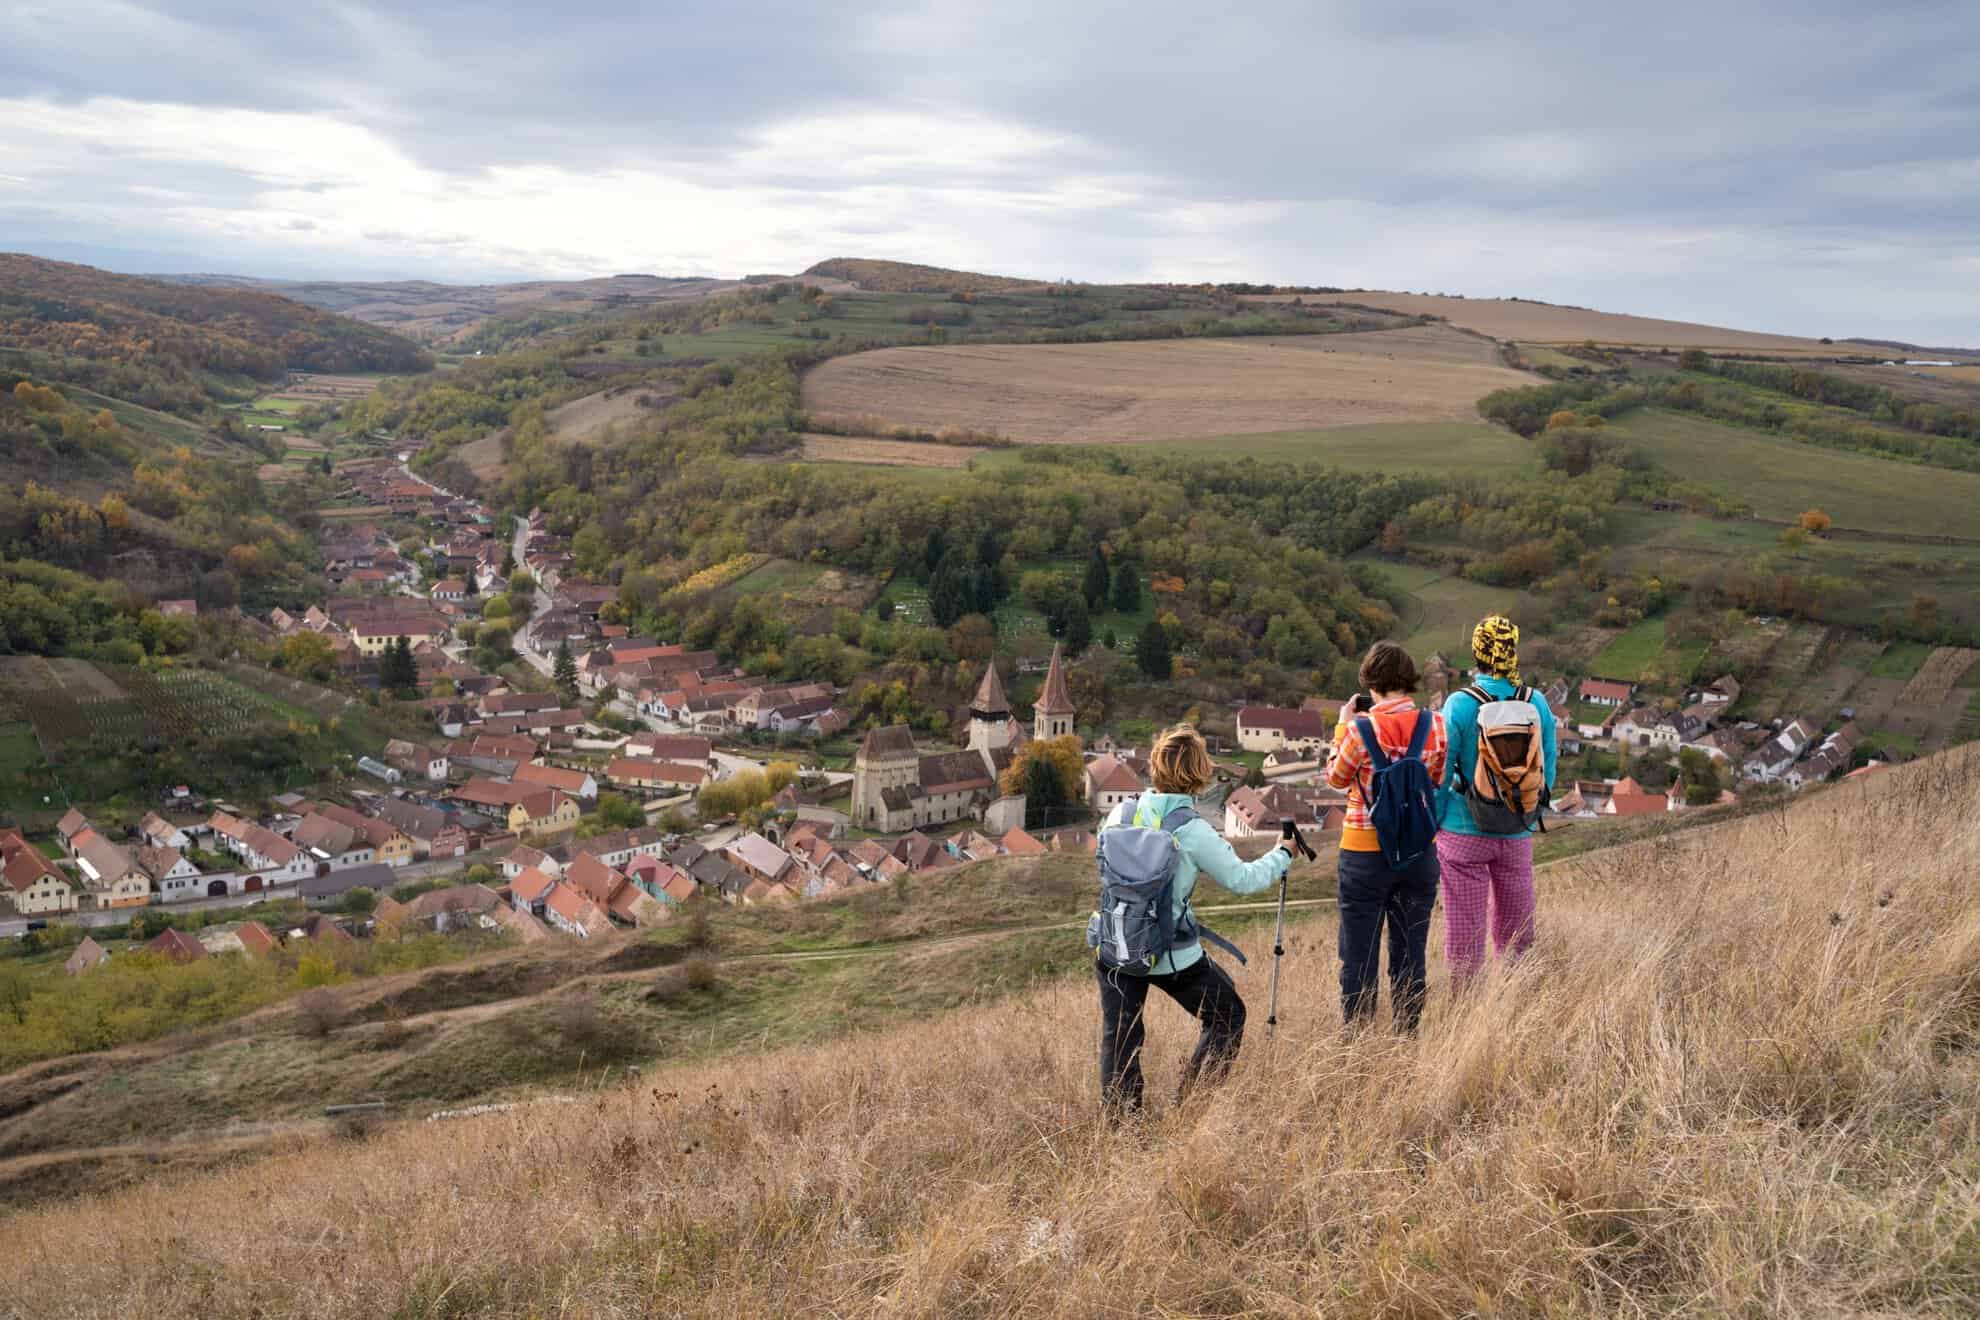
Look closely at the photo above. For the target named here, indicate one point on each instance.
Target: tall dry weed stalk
(1737, 1077)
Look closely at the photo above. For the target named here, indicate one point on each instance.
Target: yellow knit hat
(1495, 646)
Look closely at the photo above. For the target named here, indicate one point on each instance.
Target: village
(578, 804)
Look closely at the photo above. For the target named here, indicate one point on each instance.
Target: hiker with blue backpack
(1388, 756)
(1145, 933)
(1498, 783)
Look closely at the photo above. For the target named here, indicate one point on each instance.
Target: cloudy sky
(1796, 165)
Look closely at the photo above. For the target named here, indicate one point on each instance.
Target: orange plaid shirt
(1395, 722)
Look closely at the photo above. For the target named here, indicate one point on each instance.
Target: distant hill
(84, 312)
(444, 314)
(906, 277)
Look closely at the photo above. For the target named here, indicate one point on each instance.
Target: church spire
(1052, 717)
(990, 701)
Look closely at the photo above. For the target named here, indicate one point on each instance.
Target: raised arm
(1216, 859)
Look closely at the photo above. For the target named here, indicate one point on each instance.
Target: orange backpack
(1507, 793)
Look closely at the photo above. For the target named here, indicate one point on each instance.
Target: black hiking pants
(1203, 989)
(1374, 898)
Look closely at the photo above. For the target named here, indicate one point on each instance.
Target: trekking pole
(1290, 832)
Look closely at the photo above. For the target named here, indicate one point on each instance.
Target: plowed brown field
(1544, 323)
(1174, 389)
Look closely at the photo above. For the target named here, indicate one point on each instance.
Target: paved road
(539, 601)
(15, 927)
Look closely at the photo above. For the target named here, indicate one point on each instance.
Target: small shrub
(320, 1011)
(698, 973)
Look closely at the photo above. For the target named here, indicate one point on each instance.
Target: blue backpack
(1136, 922)
(1401, 796)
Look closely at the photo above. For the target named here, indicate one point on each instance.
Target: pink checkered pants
(1485, 877)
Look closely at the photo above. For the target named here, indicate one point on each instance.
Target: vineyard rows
(173, 706)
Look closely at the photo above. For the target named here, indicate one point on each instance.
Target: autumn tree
(1097, 581)
(308, 655)
(1815, 522)
(1051, 774)
(566, 673)
(1152, 652)
(1563, 418)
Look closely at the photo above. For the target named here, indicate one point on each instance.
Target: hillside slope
(1737, 1077)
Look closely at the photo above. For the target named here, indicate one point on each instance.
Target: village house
(409, 758)
(331, 887)
(1256, 813)
(1723, 691)
(458, 907)
(1268, 728)
(1628, 798)
(372, 632)
(1606, 692)
(681, 748)
(110, 878)
(656, 776)
(662, 880)
(390, 846)
(334, 845)
(569, 910)
(1111, 781)
(273, 859)
(172, 876)
(1647, 729)
(162, 833)
(578, 783)
(176, 946)
(36, 886)
(434, 833)
(88, 954)
(249, 938)
(756, 856)
(616, 848)
(543, 811)
(494, 754)
(72, 823)
(450, 588)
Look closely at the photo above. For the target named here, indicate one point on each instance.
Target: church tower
(1052, 717)
(989, 713)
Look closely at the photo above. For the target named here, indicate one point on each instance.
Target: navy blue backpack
(1401, 796)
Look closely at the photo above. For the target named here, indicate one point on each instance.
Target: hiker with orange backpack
(1389, 756)
(1498, 782)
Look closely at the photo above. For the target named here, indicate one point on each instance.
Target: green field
(1646, 651)
(1437, 611)
(1781, 478)
(1383, 447)
(777, 577)
(1900, 661)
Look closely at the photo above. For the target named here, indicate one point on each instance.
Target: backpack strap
(1377, 758)
(1418, 735)
(1171, 823)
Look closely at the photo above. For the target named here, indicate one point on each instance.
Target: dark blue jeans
(1374, 899)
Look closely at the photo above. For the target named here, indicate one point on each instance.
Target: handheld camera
(1290, 833)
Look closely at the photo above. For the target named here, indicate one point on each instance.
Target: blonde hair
(1180, 761)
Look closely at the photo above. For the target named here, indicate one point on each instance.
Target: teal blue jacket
(1203, 852)
(1461, 727)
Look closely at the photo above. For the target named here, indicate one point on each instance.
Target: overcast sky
(1790, 165)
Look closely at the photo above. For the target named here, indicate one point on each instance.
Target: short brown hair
(1388, 668)
(1180, 761)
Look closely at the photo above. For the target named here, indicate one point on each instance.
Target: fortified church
(896, 788)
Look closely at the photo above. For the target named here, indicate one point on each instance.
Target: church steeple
(1052, 717)
(989, 713)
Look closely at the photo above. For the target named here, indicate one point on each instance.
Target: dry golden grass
(891, 453)
(1167, 390)
(1543, 323)
(1736, 1078)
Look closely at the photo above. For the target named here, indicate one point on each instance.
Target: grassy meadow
(1601, 1131)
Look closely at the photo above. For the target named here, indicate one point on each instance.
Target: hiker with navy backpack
(1498, 783)
(1145, 933)
(1389, 756)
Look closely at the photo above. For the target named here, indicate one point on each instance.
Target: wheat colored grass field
(1544, 323)
(887, 453)
(1168, 390)
(1736, 1078)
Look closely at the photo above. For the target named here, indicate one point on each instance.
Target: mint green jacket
(1203, 852)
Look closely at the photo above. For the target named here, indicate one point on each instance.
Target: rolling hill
(83, 313)
(1737, 1077)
